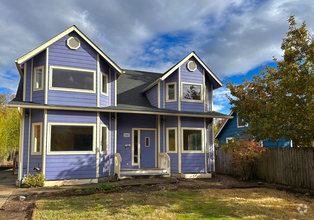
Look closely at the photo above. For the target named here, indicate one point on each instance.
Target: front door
(147, 149)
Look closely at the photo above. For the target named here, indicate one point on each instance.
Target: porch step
(142, 172)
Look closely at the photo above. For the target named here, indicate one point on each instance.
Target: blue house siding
(172, 78)
(59, 167)
(71, 116)
(152, 96)
(161, 94)
(39, 60)
(28, 81)
(283, 142)
(85, 57)
(209, 93)
(192, 122)
(125, 124)
(193, 163)
(172, 121)
(104, 158)
(104, 68)
(113, 91)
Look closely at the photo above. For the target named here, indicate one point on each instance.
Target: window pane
(147, 144)
(241, 122)
(36, 138)
(172, 140)
(72, 79)
(192, 92)
(38, 78)
(71, 138)
(104, 83)
(135, 146)
(192, 140)
(171, 92)
(104, 139)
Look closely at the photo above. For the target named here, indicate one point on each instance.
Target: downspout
(20, 171)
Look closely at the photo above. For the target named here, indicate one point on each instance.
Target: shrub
(245, 153)
(37, 180)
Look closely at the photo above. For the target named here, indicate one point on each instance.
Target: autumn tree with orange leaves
(279, 102)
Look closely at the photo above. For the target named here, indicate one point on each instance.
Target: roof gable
(42, 47)
(224, 124)
(180, 63)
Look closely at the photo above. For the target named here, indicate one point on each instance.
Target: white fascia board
(230, 114)
(58, 37)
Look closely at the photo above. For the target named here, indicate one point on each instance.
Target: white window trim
(100, 139)
(104, 75)
(33, 138)
(240, 126)
(68, 89)
(190, 100)
(73, 48)
(49, 152)
(42, 78)
(148, 142)
(176, 139)
(229, 139)
(175, 92)
(202, 140)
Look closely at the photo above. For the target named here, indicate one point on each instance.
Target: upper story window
(241, 123)
(72, 79)
(171, 92)
(38, 78)
(104, 83)
(192, 92)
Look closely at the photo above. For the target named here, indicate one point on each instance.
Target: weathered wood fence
(289, 166)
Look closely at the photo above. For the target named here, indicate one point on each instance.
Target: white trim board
(58, 37)
(180, 64)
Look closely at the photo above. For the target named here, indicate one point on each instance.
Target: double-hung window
(38, 78)
(36, 138)
(171, 140)
(104, 139)
(241, 122)
(171, 92)
(192, 92)
(104, 84)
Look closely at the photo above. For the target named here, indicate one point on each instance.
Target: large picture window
(192, 140)
(71, 138)
(192, 92)
(72, 79)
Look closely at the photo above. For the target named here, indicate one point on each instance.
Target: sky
(234, 38)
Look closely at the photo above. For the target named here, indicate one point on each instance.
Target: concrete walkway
(8, 190)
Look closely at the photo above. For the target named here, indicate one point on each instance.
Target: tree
(279, 102)
(245, 153)
(9, 127)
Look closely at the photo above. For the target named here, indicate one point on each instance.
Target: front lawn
(255, 203)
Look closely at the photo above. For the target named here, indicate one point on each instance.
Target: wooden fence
(289, 166)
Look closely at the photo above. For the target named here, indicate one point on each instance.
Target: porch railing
(164, 162)
(117, 164)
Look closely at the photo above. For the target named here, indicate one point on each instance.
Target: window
(171, 140)
(171, 91)
(72, 79)
(71, 138)
(192, 140)
(38, 78)
(135, 147)
(229, 139)
(192, 92)
(36, 138)
(104, 82)
(147, 142)
(241, 122)
(103, 141)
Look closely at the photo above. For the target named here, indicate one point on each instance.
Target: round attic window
(73, 43)
(191, 65)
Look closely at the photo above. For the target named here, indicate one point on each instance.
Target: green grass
(180, 204)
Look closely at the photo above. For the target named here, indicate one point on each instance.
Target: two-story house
(83, 117)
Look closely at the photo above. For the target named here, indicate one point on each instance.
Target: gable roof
(42, 47)
(176, 66)
(223, 125)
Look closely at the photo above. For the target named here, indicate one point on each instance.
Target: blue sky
(234, 38)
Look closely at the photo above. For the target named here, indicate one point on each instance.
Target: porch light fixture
(26, 112)
(112, 117)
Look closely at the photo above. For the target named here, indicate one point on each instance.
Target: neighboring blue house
(234, 126)
(83, 117)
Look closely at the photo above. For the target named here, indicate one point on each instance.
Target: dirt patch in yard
(226, 191)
